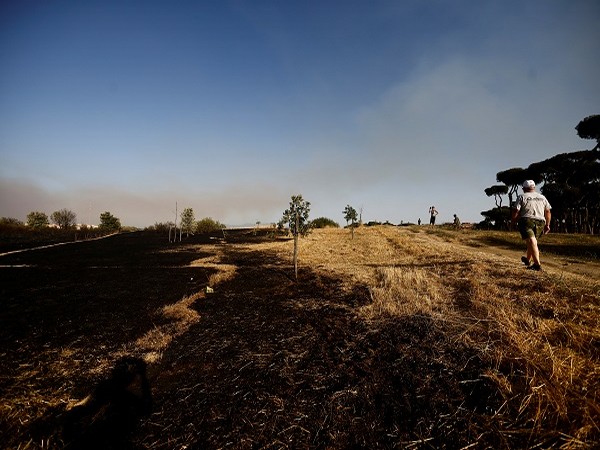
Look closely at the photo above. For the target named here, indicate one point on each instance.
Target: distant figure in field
(419, 221)
(432, 213)
(456, 222)
(532, 214)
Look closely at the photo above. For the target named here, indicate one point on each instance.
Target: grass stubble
(540, 331)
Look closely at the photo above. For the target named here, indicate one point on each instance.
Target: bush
(324, 222)
(161, 227)
(11, 222)
(11, 228)
(208, 225)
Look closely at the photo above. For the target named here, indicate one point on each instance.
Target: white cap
(528, 184)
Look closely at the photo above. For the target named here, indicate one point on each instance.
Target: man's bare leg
(533, 252)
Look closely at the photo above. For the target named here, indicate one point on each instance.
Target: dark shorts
(531, 227)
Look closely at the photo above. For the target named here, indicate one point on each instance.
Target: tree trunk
(511, 190)
(296, 256)
(296, 246)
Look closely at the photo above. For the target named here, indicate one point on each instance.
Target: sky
(143, 108)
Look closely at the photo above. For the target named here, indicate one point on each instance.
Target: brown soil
(559, 265)
(264, 361)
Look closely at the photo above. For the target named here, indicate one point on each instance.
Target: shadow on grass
(107, 417)
(274, 362)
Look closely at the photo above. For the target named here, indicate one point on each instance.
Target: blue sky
(231, 107)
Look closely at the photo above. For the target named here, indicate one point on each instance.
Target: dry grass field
(403, 337)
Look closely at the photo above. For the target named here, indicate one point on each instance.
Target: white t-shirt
(532, 205)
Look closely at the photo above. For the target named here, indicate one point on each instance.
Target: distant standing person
(432, 213)
(532, 213)
(456, 222)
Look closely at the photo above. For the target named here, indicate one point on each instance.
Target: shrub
(324, 222)
(208, 224)
(10, 221)
(161, 227)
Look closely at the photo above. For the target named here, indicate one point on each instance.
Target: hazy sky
(231, 107)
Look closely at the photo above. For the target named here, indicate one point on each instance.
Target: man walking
(532, 211)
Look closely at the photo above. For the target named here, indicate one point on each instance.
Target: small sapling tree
(296, 216)
(188, 221)
(350, 215)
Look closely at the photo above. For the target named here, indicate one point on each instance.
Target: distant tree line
(60, 226)
(570, 181)
(63, 219)
(188, 224)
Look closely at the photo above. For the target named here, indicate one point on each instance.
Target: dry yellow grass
(180, 315)
(542, 330)
(223, 272)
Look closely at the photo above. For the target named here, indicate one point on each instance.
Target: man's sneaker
(525, 260)
(535, 267)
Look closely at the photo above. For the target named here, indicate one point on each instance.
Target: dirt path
(554, 264)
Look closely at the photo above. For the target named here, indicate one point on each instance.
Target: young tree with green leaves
(65, 218)
(296, 216)
(351, 216)
(188, 221)
(36, 219)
